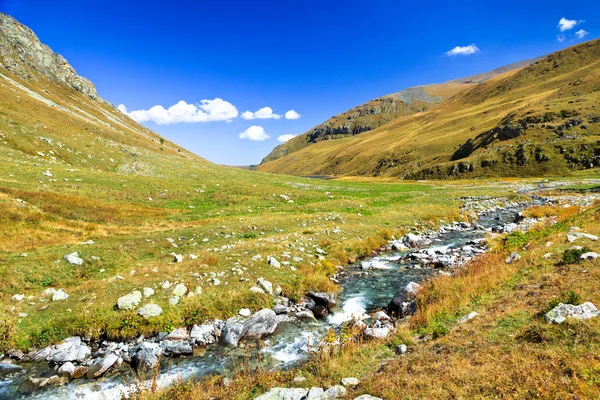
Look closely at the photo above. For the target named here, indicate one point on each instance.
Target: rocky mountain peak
(22, 53)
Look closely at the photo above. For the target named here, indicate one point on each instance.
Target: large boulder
(563, 311)
(145, 357)
(322, 299)
(71, 349)
(260, 324)
(203, 335)
(232, 332)
(402, 303)
(101, 366)
(176, 347)
(130, 300)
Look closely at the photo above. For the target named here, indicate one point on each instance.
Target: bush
(573, 256)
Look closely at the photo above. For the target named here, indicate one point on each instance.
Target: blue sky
(318, 58)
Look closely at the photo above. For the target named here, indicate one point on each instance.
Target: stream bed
(363, 291)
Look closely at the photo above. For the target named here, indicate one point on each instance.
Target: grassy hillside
(539, 120)
(377, 112)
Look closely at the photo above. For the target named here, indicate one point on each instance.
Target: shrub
(573, 256)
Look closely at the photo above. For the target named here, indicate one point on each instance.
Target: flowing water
(362, 292)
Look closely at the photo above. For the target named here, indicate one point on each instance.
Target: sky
(230, 80)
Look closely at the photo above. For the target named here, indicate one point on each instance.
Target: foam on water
(352, 308)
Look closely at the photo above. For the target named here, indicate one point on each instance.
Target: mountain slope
(381, 110)
(539, 120)
(51, 113)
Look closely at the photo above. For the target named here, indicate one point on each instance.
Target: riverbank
(508, 332)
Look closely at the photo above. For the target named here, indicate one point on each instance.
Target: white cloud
(263, 113)
(581, 33)
(254, 133)
(567, 24)
(561, 38)
(292, 115)
(285, 138)
(205, 111)
(463, 50)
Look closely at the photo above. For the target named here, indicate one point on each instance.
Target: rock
(320, 311)
(260, 324)
(176, 347)
(130, 300)
(7, 369)
(281, 309)
(180, 290)
(299, 379)
(400, 305)
(17, 297)
(203, 335)
(74, 259)
(468, 317)
(367, 397)
(177, 334)
(245, 312)
(174, 300)
(563, 311)
(415, 241)
(80, 371)
(381, 316)
(307, 302)
(399, 246)
(305, 314)
(377, 333)
(575, 234)
(42, 354)
(177, 257)
(145, 357)
(256, 289)
(48, 292)
(334, 392)
(59, 295)
(589, 256)
(71, 349)
(513, 257)
(284, 394)
(401, 349)
(67, 369)
(350, 382)
(272, 261)
(265, 285)
(32, 384)
(232, 332)
(148, 292)
(412, 288)
(100, 367)
(314, 393)
(150, 310)
(322, 299)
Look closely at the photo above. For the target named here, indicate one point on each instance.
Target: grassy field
(508, 351)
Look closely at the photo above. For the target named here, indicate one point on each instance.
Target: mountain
(381, 110)
(49, 112)
(538, 120)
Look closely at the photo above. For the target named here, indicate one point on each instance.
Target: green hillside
(539, 120)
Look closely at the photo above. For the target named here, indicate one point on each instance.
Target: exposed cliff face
(22, 53)
(382, 110)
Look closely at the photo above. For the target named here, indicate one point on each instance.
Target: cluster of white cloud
(267, 113)
(205, 111)
(463, 50)
(255, 132)
(285, 138)
(565, 25)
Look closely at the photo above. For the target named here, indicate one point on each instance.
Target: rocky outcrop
(22, 53)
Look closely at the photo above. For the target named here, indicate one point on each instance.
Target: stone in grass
(589, 256)
(148, 292)
(561, 312)
(74, 259)
(17, 297)
(272, 261)
(245, 312)
(180, 290)
(177, 257)
(513, 257)
(468, 317)
(130, 300)
(150, 310)
(350, 382)
(315, 393)
(59, 295)
(334, 392)
(367, 397)
(284, 393)
(265, 285)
